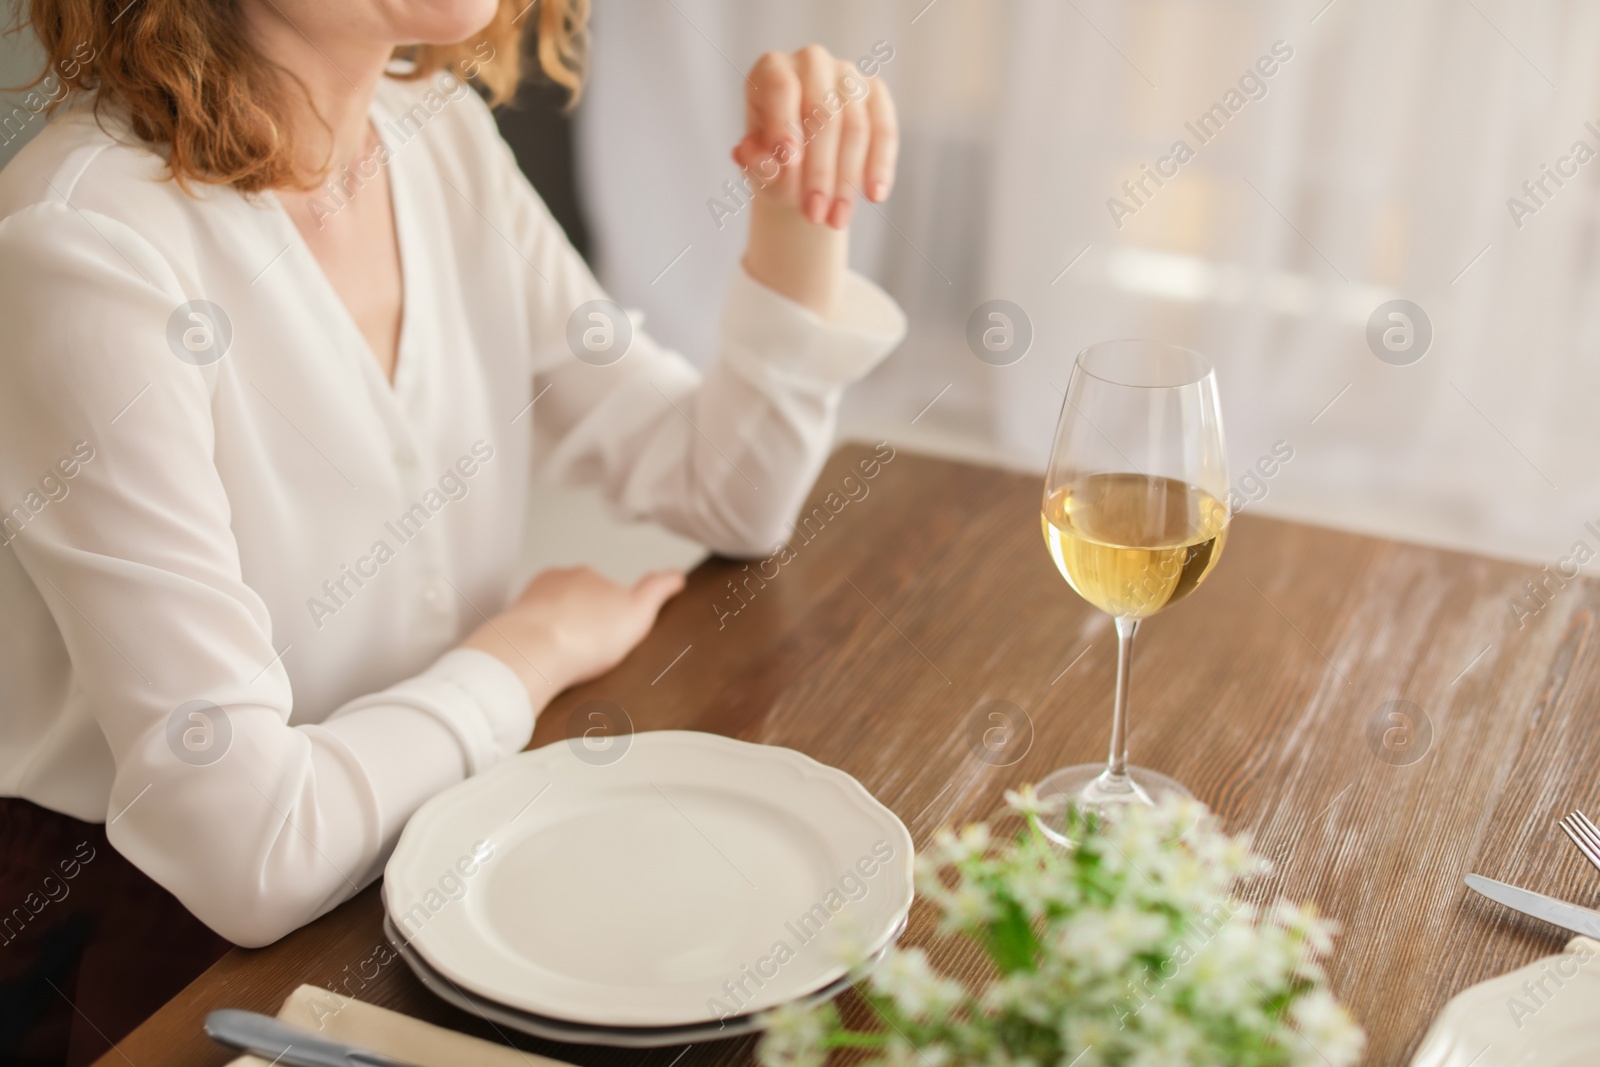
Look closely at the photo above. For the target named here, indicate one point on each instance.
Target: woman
(286, 335)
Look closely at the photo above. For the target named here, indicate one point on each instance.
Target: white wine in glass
(1134, 517)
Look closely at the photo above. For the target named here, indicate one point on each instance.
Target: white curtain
(1377, 165)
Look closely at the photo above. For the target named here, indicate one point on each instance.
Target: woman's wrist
(795, 257)
(533, 654)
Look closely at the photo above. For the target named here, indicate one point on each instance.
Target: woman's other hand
(817, 134)
(572, 624)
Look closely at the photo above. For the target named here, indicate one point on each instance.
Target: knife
(1549, 909)
(279, 1042)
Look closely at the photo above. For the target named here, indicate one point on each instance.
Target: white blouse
(237, 559)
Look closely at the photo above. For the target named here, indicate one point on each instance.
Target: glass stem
(1117, 764)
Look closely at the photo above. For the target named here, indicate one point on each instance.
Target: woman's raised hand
(817, 133)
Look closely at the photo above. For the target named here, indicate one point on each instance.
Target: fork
(1584, 834)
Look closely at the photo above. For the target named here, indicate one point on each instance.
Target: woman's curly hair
(186, 78)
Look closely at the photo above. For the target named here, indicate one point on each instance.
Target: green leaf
(1012, 943)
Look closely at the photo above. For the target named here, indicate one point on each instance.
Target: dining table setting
(1184, 783)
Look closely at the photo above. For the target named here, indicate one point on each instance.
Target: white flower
(1025, 801)
(1304, 920)
(1106, 940)
(794, 1037)
(1037, 887)
(1138, 836)
(1328, 1028)
(905, 976)
(968, 906)
(1167, 1044)
(929, 882)
(1028, 994)
(1091, 1033)
(951, 849)
(899, 1052)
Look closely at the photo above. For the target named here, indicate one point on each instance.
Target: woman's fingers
(657, 587)
(820, 104)
(840, 126)
(885, 145)
(742, 152)
(855, 133)
(772, 100)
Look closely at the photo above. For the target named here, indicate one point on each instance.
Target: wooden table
(932, 593)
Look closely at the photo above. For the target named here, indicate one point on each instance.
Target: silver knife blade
(279, 1042)
(1548, 909)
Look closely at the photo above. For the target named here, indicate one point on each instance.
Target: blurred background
(1383, 158)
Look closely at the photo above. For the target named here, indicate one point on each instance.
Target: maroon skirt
(89, 945)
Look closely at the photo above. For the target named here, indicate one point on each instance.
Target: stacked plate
(670, 888)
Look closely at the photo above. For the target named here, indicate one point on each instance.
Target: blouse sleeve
(725, 458)
(141, 572)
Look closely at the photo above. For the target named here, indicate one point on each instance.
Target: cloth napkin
(1542, 1015)
(339, 1018)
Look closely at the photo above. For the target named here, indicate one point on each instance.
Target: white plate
(694, 877)
(1542, 1015)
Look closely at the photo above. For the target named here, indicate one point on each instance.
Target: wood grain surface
(929, 593)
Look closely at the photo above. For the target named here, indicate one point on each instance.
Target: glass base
(1091, 785)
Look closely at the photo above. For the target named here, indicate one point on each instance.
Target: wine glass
(1135, 518)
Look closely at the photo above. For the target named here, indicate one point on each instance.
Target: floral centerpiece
(1129, 949)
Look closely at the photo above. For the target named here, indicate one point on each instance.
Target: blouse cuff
(770, 338)
(475, 696)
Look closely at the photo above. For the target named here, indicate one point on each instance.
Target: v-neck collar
(399, 206)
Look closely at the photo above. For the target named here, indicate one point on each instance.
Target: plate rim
(573, 1033)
